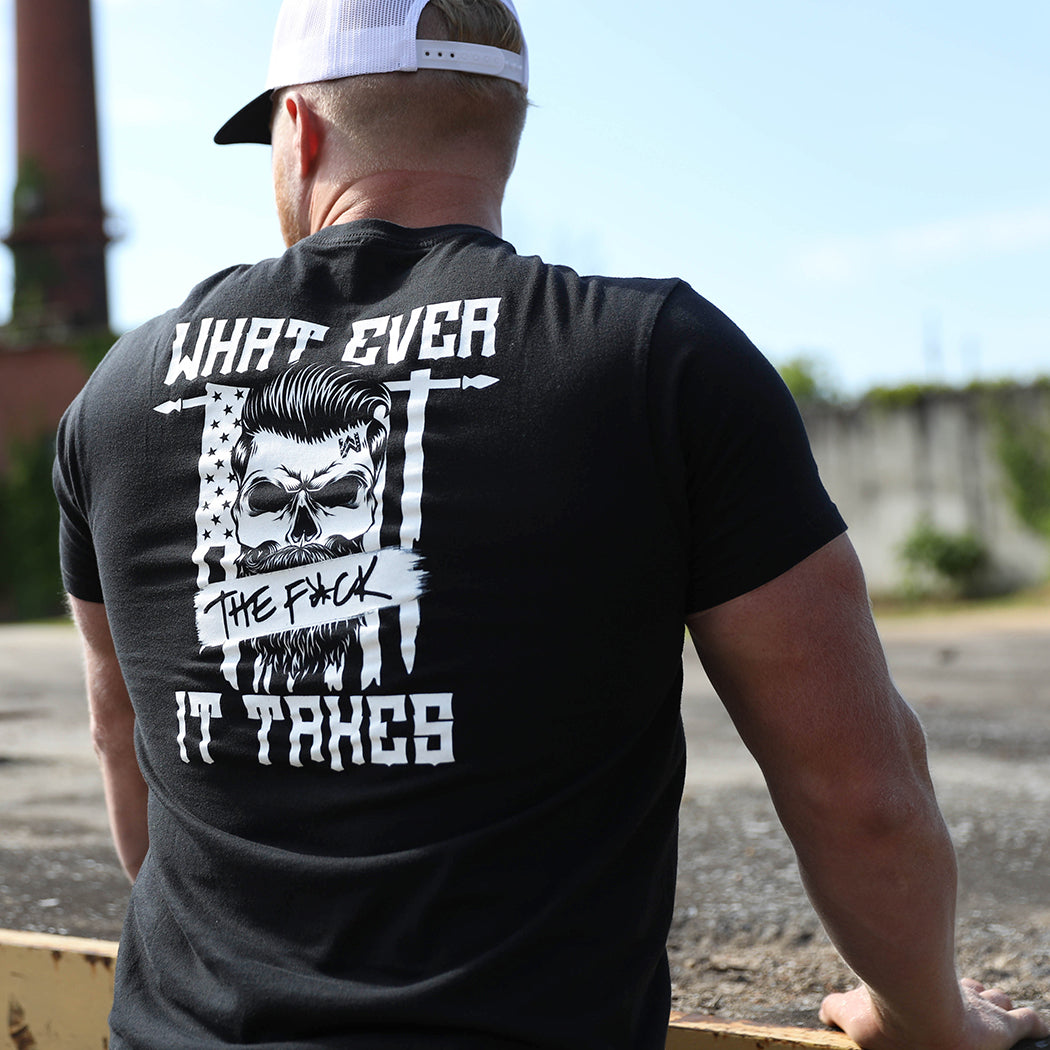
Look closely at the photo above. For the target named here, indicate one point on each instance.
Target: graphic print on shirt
(290, 566)
(308, 518)
(299, 577)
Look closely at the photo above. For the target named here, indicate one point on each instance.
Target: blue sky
(867, 183)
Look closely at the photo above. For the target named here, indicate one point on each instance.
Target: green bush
(30, 578)
(936, 560)
(1024, 451)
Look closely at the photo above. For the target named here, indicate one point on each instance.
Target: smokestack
(57, 233)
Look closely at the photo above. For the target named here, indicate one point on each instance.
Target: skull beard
(306, 651)
(272, 557)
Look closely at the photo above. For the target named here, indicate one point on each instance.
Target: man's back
(397, 535)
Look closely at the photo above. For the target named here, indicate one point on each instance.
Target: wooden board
(57, 992)
(700, 1032)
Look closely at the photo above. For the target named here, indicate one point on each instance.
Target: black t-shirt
(396, 534)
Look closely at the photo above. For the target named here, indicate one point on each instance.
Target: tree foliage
(808, 379)
(30, 578)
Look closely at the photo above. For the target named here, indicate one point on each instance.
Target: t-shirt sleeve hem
(83, 590)
(738, 579)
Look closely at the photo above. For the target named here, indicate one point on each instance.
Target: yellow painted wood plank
(58, 990)
(700, 1032)
(55, 992)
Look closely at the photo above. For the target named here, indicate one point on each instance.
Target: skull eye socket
(264, 497)
(348, 492)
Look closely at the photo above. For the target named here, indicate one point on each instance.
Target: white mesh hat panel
(324, 40)
(328, 39)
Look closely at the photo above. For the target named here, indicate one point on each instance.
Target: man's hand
(991, 1022)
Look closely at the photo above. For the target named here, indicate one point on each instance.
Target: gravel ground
(744, 942)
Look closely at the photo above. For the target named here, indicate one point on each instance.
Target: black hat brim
(250, 124)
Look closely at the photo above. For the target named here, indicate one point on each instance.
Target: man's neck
(412, 199)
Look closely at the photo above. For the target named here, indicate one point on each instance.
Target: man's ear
(307, 130)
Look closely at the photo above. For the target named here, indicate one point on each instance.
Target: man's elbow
(113, 736)
(874, 793)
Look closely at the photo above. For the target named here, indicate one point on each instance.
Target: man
(471, 842)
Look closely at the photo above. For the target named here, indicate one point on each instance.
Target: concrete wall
(889, 466)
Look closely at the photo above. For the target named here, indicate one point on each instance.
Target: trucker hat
(328, 39)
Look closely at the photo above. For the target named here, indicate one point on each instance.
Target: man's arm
(113, 735)
(801, 671)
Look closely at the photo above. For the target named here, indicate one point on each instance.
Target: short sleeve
(80, 574)
(734, 453)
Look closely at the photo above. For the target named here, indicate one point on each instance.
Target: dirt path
(744, 942)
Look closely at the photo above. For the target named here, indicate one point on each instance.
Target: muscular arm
(113, 735)
(800, 668)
